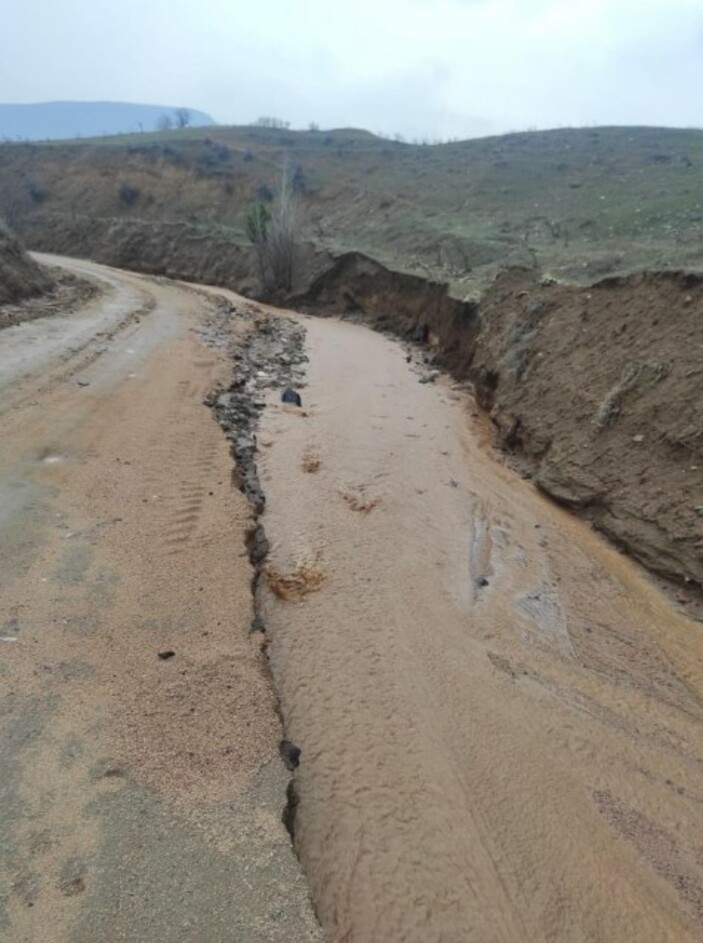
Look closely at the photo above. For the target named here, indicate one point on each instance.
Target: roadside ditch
(270, 357)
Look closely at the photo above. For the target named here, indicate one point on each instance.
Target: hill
(62, 120)
(580, 203)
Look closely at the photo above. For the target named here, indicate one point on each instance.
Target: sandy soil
(499, 716)
(141, 791)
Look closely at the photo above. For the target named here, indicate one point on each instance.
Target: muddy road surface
(140, 782)
(499, 716)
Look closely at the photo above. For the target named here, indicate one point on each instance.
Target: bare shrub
(273, 230)
(183, 117)
(128, 195)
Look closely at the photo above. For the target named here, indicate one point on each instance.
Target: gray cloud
(441, 68)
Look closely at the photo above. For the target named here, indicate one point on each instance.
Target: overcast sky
(440, 68)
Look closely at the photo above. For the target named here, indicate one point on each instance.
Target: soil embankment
(596, 389)
(20, 276)
(175, 249)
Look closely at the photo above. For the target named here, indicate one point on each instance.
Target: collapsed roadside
(595, 390)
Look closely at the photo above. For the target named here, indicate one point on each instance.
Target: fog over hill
(60, 120)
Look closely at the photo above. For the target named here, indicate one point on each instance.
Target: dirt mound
(20, 276)
(597, 389)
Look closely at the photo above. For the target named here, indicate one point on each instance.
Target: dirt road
(141, 795)
(499, 716)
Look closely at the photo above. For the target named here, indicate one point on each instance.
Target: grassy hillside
(581, 202)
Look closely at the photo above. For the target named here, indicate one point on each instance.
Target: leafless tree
(283, 233)
(271, 122)
(273, 230)
(183, 117)
(165, 123)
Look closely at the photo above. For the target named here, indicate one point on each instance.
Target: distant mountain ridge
(63, 120)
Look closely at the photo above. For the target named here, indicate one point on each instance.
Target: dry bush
(311, 463)
(305, 579)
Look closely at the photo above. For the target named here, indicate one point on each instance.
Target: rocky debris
(290, 755)
(257, 544)
(271, 356)
(290, 810)
(429, 377)
(290, 396)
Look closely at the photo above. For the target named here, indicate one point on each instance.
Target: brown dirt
(311, 461)
(302, 581)
(499, 716)
(142, 795)
(358, 503)
(596, 389)
(600, 390)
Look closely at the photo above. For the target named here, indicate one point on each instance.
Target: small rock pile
(271, 357)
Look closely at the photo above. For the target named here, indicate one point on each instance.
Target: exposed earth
(490, 720)
(20, 276)
(142, 787)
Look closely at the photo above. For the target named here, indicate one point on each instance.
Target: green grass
(581, 201)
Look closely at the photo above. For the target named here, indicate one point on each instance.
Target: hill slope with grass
(579, 203)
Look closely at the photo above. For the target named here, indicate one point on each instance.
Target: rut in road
(499, 716)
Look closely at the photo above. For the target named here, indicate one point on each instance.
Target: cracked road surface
(141, 795)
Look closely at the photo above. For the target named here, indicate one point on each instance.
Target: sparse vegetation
(270, 122)
(274, 234)
(577, 203)
(183, 117)
(37, 192)
(128, 195)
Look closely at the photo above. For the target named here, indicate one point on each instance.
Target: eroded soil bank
(597, 389)
(498, 715)
(20, 276)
